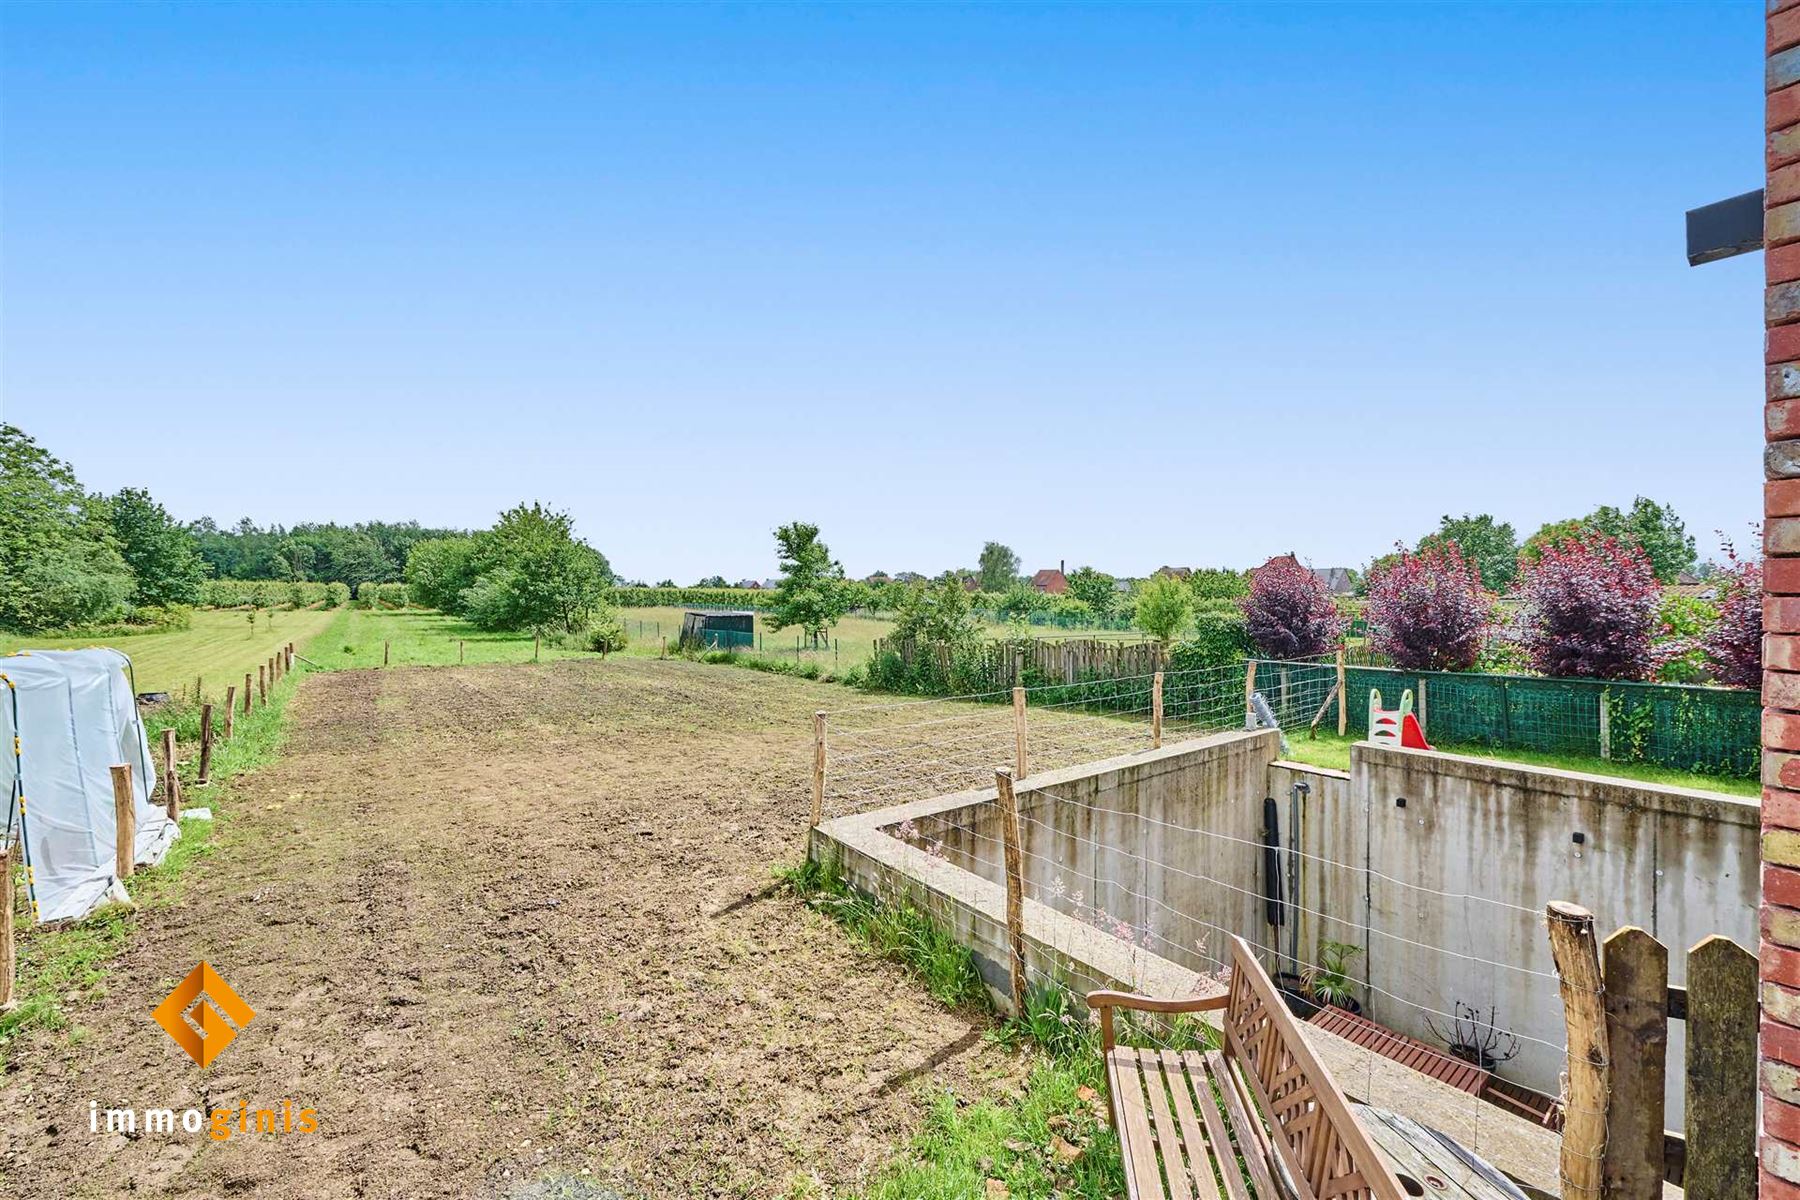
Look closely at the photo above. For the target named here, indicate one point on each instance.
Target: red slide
(1411, 736)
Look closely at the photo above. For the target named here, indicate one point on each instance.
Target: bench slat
(1203, 1069)
(1125, 1077)
(1168, 1134)
(1200, 1153)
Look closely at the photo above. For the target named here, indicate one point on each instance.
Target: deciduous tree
(999, 567)
(1428, 611)
(1288, 613)
(1590, 608)
(811, 594)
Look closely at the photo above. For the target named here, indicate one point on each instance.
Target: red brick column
(1780, 1138)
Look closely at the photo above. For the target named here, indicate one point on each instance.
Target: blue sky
(1115, 285)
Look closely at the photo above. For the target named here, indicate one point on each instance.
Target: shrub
(367, 593)
(393, 594)
(1682, 623)
(336, 595)
(1734, 643)
(1590, 606)
(1288, 613)
(1428, 612)
(1165, 605)
(1219, 639)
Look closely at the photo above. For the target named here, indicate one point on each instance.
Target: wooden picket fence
(1617, 1004)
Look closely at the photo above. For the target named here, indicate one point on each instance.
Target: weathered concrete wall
(1436, 867)
(1446, 835)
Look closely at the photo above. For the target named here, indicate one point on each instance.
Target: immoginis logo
(195, 1014)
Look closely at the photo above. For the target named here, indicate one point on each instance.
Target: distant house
(1339, 581)
(877, 578)
(770, 585)
(1051, 583)
(1173, 572)
(749, 585)
(1692, 586)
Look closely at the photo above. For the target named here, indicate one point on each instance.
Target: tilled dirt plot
(508, 930)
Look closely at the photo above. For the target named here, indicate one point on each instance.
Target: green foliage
(998, 569)
(59, 561)
(336, 595)
(1219, 639)
(812, 594)
(1219, 583)
(1164, 607)
(942, 612)
(694, 597)
(1021, 600)
(533, 573)
(440, 570)
(1651, 527)
(367, 593)
(1328, 980)
(1492, 546)
(1096, 589)
(1682, 623)
(347, 554)
(163, 556)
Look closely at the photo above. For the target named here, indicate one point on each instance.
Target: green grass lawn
(416, 637)
(220, 646)
(1330, 750)
(852, 639)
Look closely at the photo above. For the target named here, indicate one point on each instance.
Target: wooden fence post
(1637, 1040)
(1019, 762)
(197, 693)
(1577, 958)
(1015, 887)
(1343, 692)
(536, 638)
(1249, 692)
(1156, 711)
(459, 651)
(262, 685)
(1721, 1071)
(8, 968)
(230, 709)
(818, 780)
(204, 775)
(124, 822)
(171, 781)
(385, 647)
(246, 693)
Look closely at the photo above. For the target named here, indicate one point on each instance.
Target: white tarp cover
(74, 716)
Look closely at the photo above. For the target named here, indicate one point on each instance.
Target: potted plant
(1327, 982)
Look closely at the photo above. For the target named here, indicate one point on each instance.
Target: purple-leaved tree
(1590, 609)
(1288, 613)
(1428, 611)
(1734, 643)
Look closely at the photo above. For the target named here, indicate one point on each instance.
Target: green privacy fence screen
(1710, 731)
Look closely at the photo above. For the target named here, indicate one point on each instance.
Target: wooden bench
(1186, 1120)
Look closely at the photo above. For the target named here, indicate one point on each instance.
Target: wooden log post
(1156, 711)
(204, 775)
(197, 692)
(1015, 886)
(1019, 762)
(124, 822)
(262, 685)
(1249, 693)
(460, 646)
(1637, 1039)
(1721, 1070)
(663, 652)
(171, 781)
(537, 640)
(386, 648)
(9, 970)
(818, 772)
(230, 709)
(246, 693)
(1588, 1087)
(1342, 693)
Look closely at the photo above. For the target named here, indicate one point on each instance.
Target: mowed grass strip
(421, 638)
(218, 649)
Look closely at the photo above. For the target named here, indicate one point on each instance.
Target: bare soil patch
(509, 931)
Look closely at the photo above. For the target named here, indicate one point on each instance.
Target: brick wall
(1780, 1139)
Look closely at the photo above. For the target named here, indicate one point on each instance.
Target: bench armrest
(1106, 1001)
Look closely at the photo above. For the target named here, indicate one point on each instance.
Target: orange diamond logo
(195, 1013)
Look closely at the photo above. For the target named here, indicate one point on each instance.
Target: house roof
(1050, 580)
